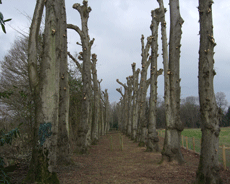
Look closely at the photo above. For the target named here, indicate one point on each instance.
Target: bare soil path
(132, 165)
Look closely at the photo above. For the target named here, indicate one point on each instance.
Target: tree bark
(208, 169)
(153, 140)
(129, 90)
(63, 127)
(171, 150)
(84, 10)
(126, 110)
(96, 101)
(143, 89)
(46, 112)
(135, 103)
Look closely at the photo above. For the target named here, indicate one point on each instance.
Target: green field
(196, 133)
(224, 139)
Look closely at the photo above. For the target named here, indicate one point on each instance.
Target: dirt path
(132, 165)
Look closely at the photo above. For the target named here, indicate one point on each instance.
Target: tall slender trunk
(171, 150)
(46, 91)
(96, 101)
(153, 140)
(143, 89)
(135, 103)
(208, 170)
(63, 127)
(129, 91)
(84, 10)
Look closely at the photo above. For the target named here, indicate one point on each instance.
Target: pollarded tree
(135, 102)
(171, 150)
(86, 43)
(96, 101)
(152, 144)
(122, 111)
(208, 169)
(126, 110)
(130, 89)
(145, 62)
(63, 157)
(45, 88)
(106, 100)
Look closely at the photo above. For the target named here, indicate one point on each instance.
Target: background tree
(208, 169)
(14, 77)
(221, 101)
(190, 112)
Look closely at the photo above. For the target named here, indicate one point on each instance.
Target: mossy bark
(208, 170)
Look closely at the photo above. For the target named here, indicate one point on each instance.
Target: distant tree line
(189, 111)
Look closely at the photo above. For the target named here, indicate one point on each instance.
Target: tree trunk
(135, 103)
(84, 10)
(126, 108)
(46, 112)
(63, 127)
(129, 90)
(208, 170)
(171, 150)
(153, 140)
(143, 89)
(106, 97)
(96, 101)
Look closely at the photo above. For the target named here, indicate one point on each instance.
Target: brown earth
(132, 165)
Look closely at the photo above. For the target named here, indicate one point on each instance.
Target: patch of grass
(224, 139)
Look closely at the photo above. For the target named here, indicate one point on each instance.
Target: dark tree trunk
(208, 170)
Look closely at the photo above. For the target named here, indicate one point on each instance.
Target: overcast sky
(117, 26)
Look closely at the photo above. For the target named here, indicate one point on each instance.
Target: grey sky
(117, 26)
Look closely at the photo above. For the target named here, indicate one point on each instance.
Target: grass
(224, 139)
